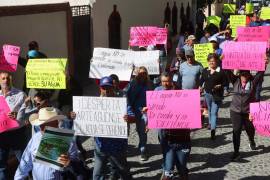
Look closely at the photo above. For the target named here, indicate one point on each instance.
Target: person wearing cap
(190, 72)
(13, 139)
(33, 52)
(216, 48)
(189, 42)
(244, 87)
(136, 99)
(47, 117)
(112, 150)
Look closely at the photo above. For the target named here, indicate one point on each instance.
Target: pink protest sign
(173, 109)
(257, 34)
(261, 117)
(161, 36)
(5, 122)
(9, 58)
(142, 36)
(244, 55)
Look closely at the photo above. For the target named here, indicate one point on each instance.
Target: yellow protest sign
(265, 13)
(46, 73)
(249, 8)
(202, 51)
(236, 21)
(213, 20)
(229, 8)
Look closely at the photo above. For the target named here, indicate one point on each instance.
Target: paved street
(209, 160)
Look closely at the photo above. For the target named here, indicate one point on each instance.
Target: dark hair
(114, 77)
(43, 95)
(212, 56)
(33, 45)
(166, 74)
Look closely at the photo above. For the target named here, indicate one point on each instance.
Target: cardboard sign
(107, 61)
(202, 51)
(213, 20)
(256, 34)
(46, 73)
(249, 8)
(9, 58)
(260, 113)
(100, 116)
(265, 13)
(236, 21)
(229, 8)
(54, 143)
(244, 55)
(147, 35)
(173, 109)
(5, 122)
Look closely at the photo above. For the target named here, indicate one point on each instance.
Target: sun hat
(45, 115)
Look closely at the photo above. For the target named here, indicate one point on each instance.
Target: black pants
(238, 120)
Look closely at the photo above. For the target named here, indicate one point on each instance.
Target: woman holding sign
(213, 79)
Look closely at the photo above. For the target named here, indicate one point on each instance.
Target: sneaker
(252, 145)
(235, 157)
(144, 156)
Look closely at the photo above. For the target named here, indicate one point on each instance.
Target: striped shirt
(39, 171)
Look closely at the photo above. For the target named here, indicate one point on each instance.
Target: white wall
(48, 29)
(133, 13)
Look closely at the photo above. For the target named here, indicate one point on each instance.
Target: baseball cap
(189, 52)
(191, 37)
(33, 54)
(106, 81)
(213, 39)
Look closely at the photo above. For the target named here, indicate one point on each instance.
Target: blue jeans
(118, 163)
(213, 107)
(176, 154)
(140, 128)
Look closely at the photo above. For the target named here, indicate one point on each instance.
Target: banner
(46, 73)
(147, 35)
(256, 34)
(5, 122)
(173, 109)
(54, 143)
(213, 20)
(229, 8)
(236, 21)
(249, 8)
(244, 55)
(260, 113)
(100, 116)
(9, 58)
(202, 51)
(265, 13)
(107, 61)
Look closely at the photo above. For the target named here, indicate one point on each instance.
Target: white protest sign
(100, 116)
(107, 61)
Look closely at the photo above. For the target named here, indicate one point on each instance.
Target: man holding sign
(11, 139)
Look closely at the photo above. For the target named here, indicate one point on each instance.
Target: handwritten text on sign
(257, 34)
(9, 58)
(244, 55)
(202, 51)
(107, 61)
(100, 116)
(46, 73)
(5, 122)
(147, 35)
(237, 21)
(173, 109)
(261, 117)
(265, 13)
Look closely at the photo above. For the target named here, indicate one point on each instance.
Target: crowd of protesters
(184, 72)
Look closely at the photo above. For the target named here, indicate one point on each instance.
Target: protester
(111, 150)
(206, 36)
(189, 42)
(214, 80)
(117, 91)
(14, 139)
(223, 36)
(136, 97)
(50, 118)
(190, 72)
(33, 52)
(244, 87)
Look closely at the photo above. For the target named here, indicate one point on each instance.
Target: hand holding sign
(9, 58)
